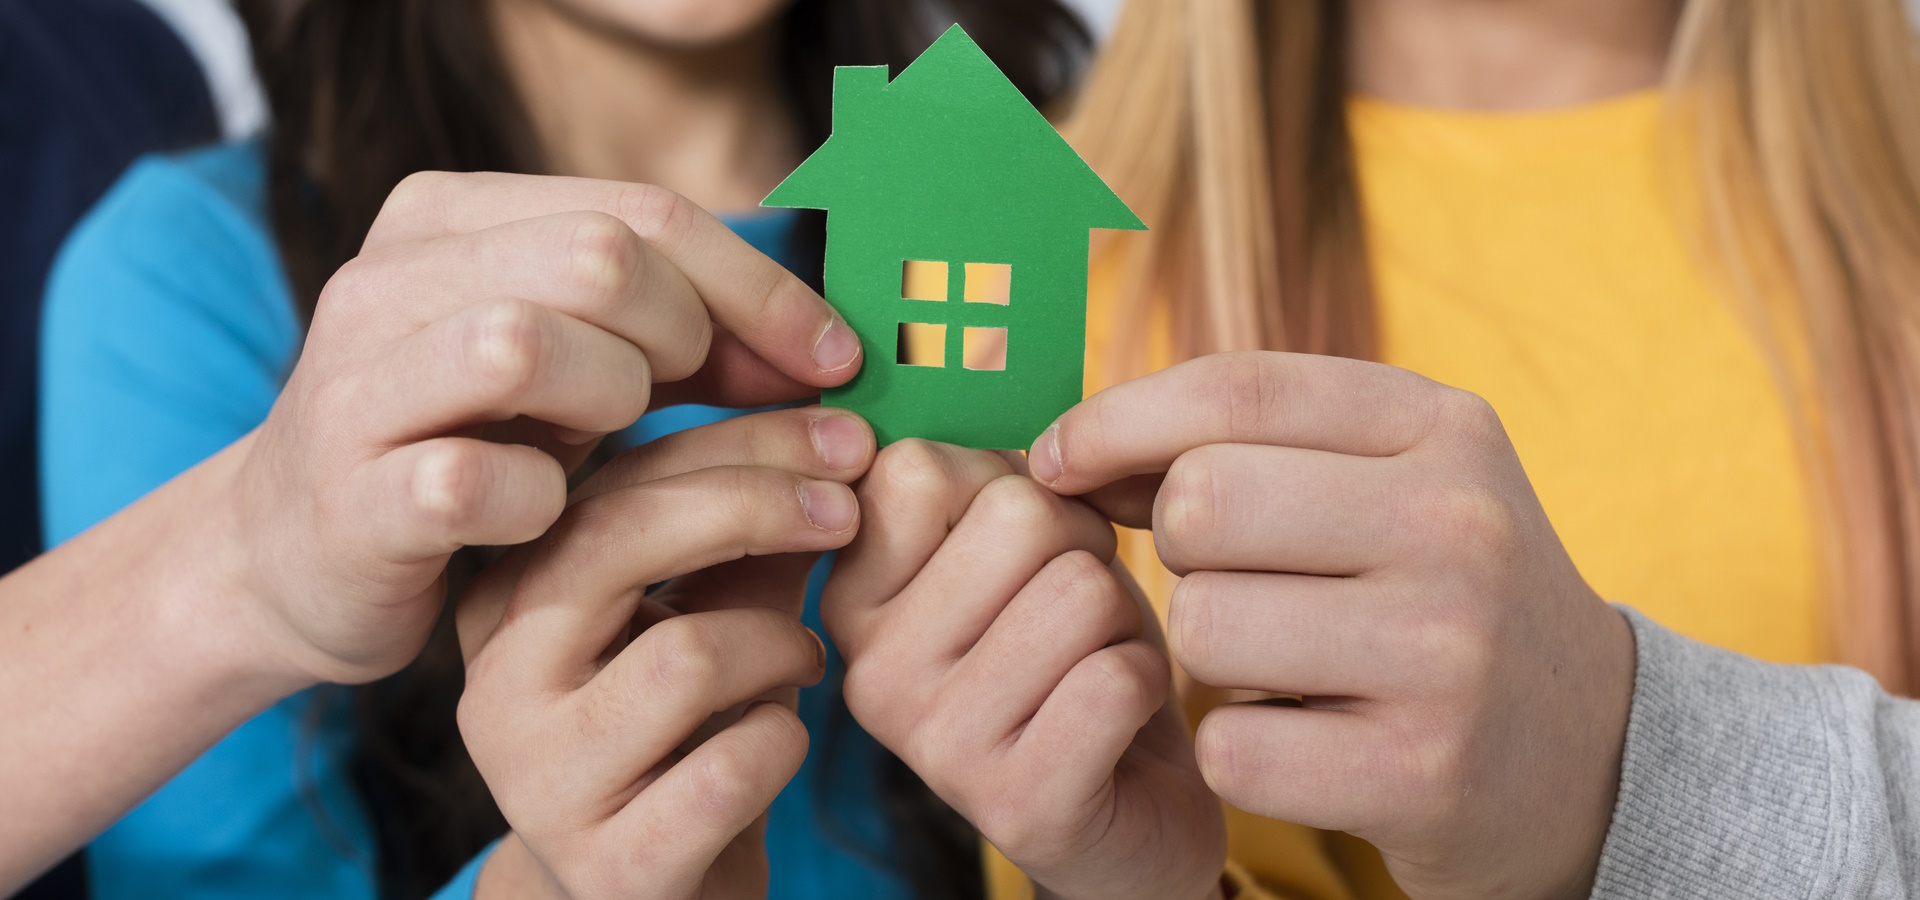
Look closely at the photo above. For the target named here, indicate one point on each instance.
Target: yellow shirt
(1539, 261)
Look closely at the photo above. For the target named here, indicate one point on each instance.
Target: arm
(127, 652)
(1748, 779)
(314, 549)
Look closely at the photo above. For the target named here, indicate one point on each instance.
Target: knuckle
(1246, 397)
(504, 345)
(1463, 416)
(1464, 518)
(603, 261)
(911, 471)
(745, 497)
(937, 745)
(417, 193)
(353, 280)
(1018, 504)
(1187, 506)
(1122, 685)
(684, 655)
(865, 688)
(598, 527)
(654, 212)
(449, 484)
(721, 779)
(1435, 768)
(1082, 590)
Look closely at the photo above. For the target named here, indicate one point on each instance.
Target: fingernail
(1044, 458)
(840, 441)
(819, 650)
(829, 506)
(837, 346)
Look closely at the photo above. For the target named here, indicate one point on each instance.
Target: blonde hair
(1222, 122)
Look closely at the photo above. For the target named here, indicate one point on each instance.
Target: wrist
(513, 871)
(1611, 680)
(220, 605)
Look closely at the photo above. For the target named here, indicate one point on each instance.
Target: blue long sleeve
(166, 336)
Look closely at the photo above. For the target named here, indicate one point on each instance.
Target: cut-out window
(923, 344)
(984, 349)
(923, 280)
(989, 283)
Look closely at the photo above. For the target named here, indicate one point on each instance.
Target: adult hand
(1365, 538)
(634, 741)
(492, 328)
(990, 646)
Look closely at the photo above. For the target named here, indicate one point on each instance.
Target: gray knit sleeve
(1748, 779)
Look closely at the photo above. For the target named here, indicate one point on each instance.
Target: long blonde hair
(1222, 122)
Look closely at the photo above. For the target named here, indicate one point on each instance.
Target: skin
(993, 645)
(635, 741)
(681, 93)
(1507, 55)
(1365, 539)
(540, 311)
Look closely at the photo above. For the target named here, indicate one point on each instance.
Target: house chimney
(856, 92)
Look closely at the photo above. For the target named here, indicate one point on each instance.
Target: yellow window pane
(923, 280)
(989, 283)
(985, 349)
(922, 344)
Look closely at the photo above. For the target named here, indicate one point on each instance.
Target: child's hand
(621, 734)
(992, 648)
(1366, 538)
(492, 328)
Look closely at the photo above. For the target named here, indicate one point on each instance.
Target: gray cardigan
(1753, 780)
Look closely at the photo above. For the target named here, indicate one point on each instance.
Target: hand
(634, 742)
(492, 328)
(1365, 538)
(990, 646)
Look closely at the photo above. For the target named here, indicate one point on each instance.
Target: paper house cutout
(949, 171)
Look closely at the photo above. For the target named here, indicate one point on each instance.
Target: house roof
(950, 138)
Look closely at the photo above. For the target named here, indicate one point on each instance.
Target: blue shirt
(169, 330)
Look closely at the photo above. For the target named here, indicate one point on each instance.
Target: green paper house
(957, 223)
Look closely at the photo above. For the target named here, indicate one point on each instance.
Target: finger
(1012, 530)
(1282, 509)
(912, 495)
(1286, 399)
(1077, 737)
(688, 668)
(585, 579)
(815, 442)
(1324, 768)
(1290, 634)
(585, 264)
(495, 361)
(456, 492)
(569, 447)
(484, 601)
(772, 582)
(1127, 502)
(1072, 609)
(771, 311)
(684, 821)
(735, 377)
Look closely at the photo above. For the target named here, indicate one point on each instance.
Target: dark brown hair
(366, 92)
